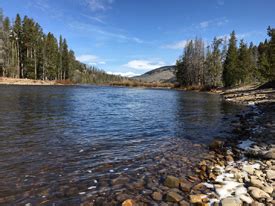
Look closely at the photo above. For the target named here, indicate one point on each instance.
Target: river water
(58, 142)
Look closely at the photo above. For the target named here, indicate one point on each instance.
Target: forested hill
(27, 52)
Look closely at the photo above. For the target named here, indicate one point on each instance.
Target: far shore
(17, 81)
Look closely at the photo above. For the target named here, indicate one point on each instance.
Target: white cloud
(176, 45)
(90, 59)
(99, 5)
(124, 74)
(213, 23)
(144, 64)
(204, 24)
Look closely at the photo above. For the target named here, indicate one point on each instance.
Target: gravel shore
(236, 171)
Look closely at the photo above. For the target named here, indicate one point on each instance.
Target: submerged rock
(173, 197)
(157, 196)
(129, 202)
(172, 182)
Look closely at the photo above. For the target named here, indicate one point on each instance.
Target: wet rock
(270, 174)
(172, 182)
(120, 180)
(129, 202)
(157, 196)
(173, 197)
(270, 154)
(184, 203)
(121, 197)
(258, 193)
(216, 144)
(185, 186)
(229, 158)
(231, 201)
(199, 198)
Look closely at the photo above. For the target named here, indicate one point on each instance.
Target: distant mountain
(164, 74)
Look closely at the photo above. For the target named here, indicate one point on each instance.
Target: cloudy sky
(134, 36)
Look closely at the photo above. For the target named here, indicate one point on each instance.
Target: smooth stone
(184, 203)
(199, 198)
(270, 154)
(240, 191)
(257, 183)
(172, 182)
(128, 202)
(249, 169)
(246, 198)
(255, 203)
(185, 186)
(270, 174)
(229, 158)
(258, 193)
(268, 189)
(173, 197)
(231, 201)
(157, 196)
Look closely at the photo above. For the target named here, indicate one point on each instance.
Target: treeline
(27, 52)
(226, 64)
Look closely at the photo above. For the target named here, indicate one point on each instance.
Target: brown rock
(157, 196)
(200, 198)
(229, 158)
(216, 145)
(128, 202)
(173, 197)
(172, 182)
(185, 186)
(184, 203)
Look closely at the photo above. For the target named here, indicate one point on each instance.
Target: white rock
(258, 193)
(249, 169)
(246, 198)
(240, 191)
(270, 174)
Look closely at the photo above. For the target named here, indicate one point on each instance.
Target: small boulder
(258, 193)
(173, 197)
(171, 182)
(246, 198)
(157, 196)
(270, 154)
(231, 201)
(199, 198)
(270, 174)
(184, 203)
(128, 202)
(249, 169)
(216, 144)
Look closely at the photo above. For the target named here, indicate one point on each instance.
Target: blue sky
(133, 36)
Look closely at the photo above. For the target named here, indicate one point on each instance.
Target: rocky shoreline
(236, 171)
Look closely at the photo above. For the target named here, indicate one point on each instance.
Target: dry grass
(128, 83)
(17, 81)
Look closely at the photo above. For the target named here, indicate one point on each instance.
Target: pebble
(231, 201)
(172, 182)
(157, 196)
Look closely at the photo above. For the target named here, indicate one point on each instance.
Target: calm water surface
(54, 135)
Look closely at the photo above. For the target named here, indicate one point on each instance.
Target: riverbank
(236, 171)
(251, 94)
(17, 81)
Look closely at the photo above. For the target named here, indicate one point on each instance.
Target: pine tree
(230, 74)
(271, 52)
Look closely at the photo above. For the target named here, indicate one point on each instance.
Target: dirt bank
(17, 81)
